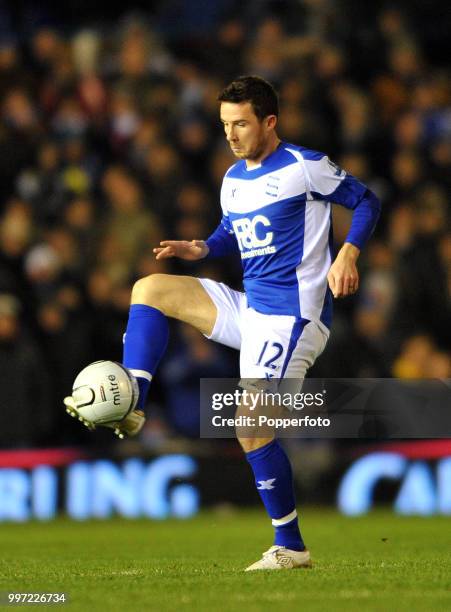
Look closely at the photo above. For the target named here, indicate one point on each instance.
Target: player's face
(246, 134)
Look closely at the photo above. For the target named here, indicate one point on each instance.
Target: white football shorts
(271, 346)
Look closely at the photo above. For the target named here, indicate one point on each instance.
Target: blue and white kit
(278, 215)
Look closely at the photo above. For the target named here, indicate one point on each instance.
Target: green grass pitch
(376, 562)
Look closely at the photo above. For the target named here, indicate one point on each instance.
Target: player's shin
(274, 481)
(145, 342)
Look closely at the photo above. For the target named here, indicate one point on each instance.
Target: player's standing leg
(274, 482)
(296, 344)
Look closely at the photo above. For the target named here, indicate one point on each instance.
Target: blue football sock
(274, 480)
(145, 342)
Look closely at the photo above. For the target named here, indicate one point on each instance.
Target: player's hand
(343, 276)
(190, 250)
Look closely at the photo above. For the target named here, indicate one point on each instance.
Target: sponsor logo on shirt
(254, 234)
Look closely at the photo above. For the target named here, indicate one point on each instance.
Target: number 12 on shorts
(272, 349)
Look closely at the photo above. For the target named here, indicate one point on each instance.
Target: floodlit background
(110, 141)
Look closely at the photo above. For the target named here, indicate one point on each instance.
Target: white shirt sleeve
(323, 175)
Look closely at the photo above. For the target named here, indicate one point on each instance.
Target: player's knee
(250, 444)
(150, 290)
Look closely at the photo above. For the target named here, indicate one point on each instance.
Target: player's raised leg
(154, 299)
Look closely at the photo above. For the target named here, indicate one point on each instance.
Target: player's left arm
(331, 183)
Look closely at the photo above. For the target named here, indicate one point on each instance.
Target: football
(103, 392)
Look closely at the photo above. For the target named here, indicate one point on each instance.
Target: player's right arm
(191, 250)
(221, 243)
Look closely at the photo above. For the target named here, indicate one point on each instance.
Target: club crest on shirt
(272, 186)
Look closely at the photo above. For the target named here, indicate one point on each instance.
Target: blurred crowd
(110, 142)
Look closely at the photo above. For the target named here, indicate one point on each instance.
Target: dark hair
(255, 90)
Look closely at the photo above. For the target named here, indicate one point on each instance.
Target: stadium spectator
(26, 386)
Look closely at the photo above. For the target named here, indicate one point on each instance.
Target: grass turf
(376, 562)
